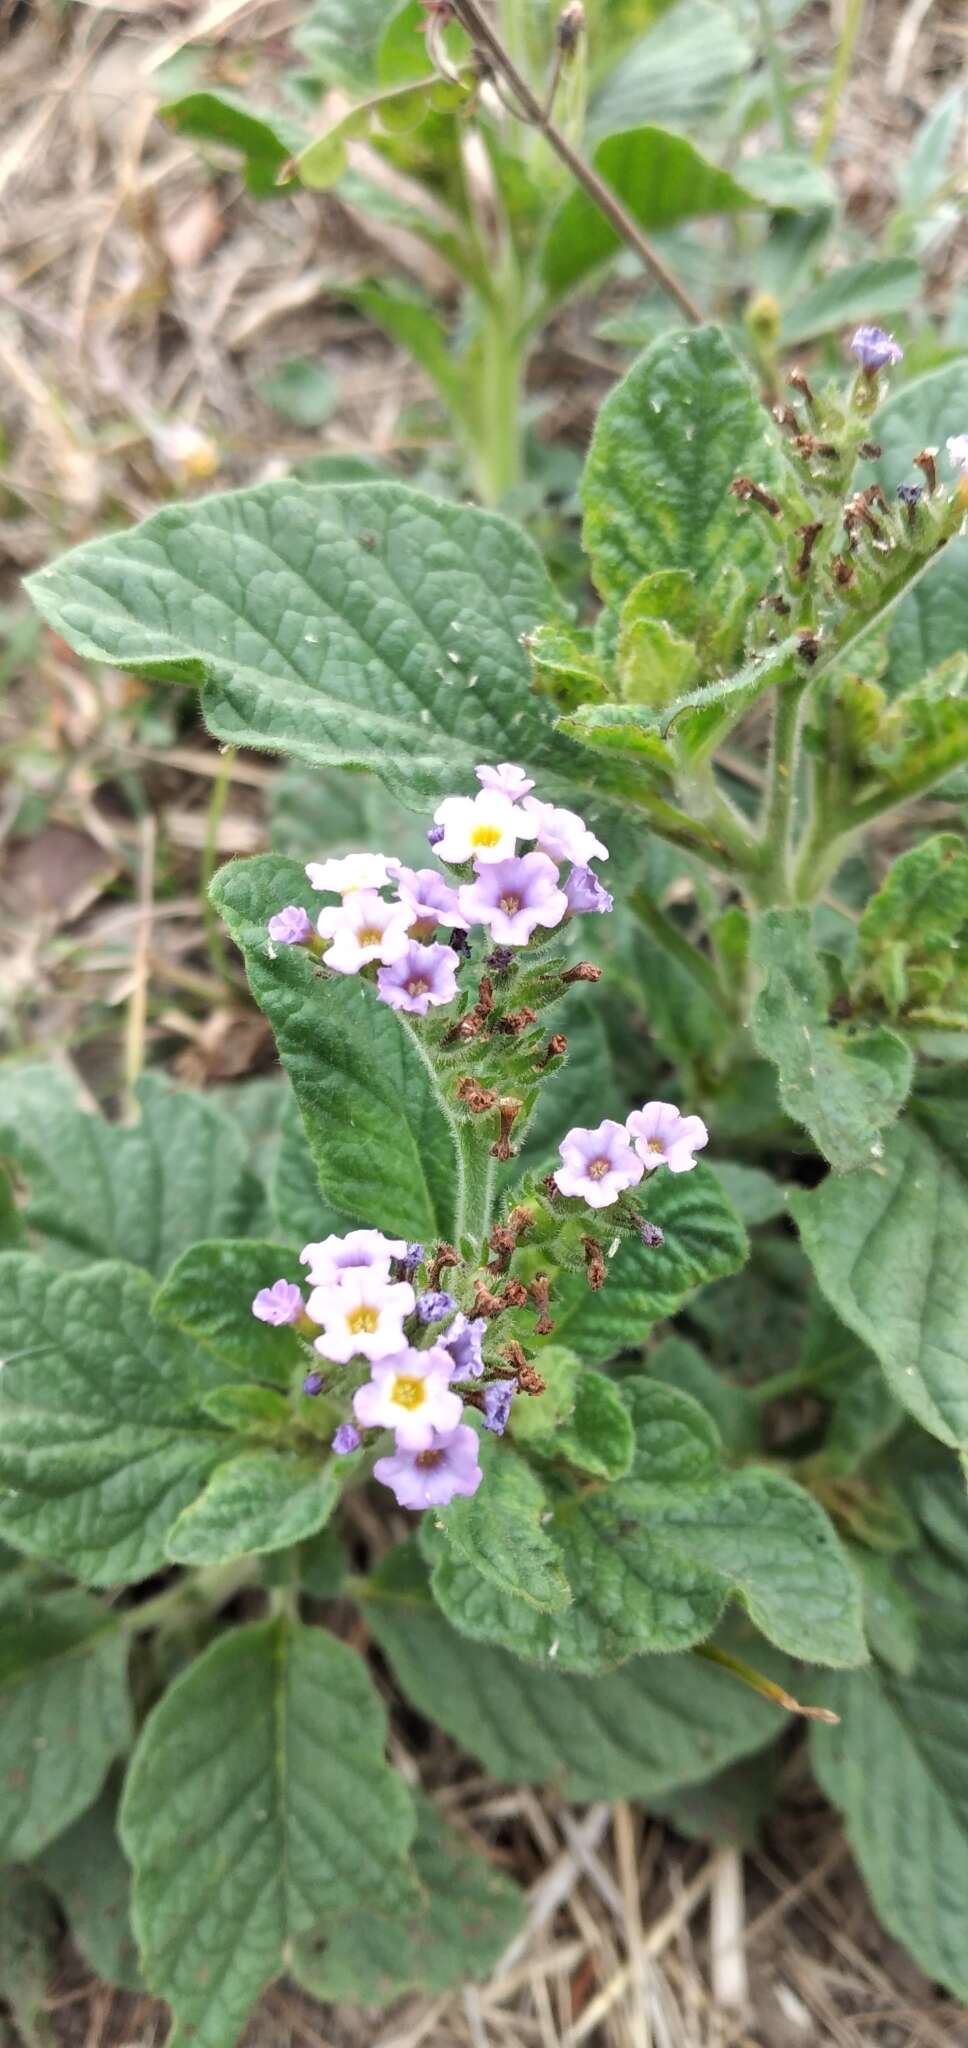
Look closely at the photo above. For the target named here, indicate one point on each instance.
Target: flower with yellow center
(485, 827)
(410, 1394)
(363, 928)
(361, 1314)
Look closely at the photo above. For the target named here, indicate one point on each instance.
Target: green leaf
(660, 177)
(262, 1500)
(878, 286)
(102, 1439)
(64, 1714)
(312, 813)
(140, 1192)
(843, 1086)
(322, 622)
(267, 141)
(897, 1766)
(667, 444)
(296, 1196)
(678, 72)
(703, 1241)
(929, 623)
(909, 932)
(28, 1942)
(499, 1530)
(412, 321)
(756, 1197)
(653, 1559)
(924, 171)
(86, 1869)
(531, 1419)
(597, 1435)
(446, 1923)
(383, 1139)
(677, 1363)
(209, 1294)
(258, 1800)
(302, 391)
(341, 39)
(657, 1723)
(887, 1247)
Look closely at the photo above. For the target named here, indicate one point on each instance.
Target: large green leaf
(258, 1800)
(262, 1500)
(296, 1198)
(499, 1530)
(102, 1436)
(341, 39)
(325, 622)
(209, 1294)
(888, 1248)
(86, 1869)
(64, 1715)
(28, 1944)
(662, 179)
(383, 1139)
(844, 1086)
(878, 285)
(140, 1192)
(703, 1241)
(657, 1723)
(667, 444)
(930, 623)
(678, 72)
(445, 1921)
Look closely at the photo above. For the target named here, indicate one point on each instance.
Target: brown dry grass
(135, 288)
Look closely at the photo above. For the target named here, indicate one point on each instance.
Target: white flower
(484, 827)
(957, 449)
(363, 928)
(508, 777)
(334, 1255)
(664, 1137)
(362, 1315)
(564, 834)
(410, 1394)
(354, 871)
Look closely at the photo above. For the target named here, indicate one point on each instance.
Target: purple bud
(500, 960)
(313, 1383)
(290, 927)
(459, 942)
(651, 1235)
(875, 348)
(413, 1257)
(435, 834)
(910, 494)
(497, 1405)
(585, 893)
(432, 1308)
(346, 1439)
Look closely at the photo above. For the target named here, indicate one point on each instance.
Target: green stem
(780, 1383)
(774, 65)
(475, 1137)
(766, 1687)
(674, 942)
(774, 886)
(215, 937)
(497, 453)
(838, 79)
(201, 1592)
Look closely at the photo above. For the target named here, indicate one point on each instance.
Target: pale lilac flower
(313, 1383)
(345, 1440)
(663, 1137)
(875, 349)
(333, 1256)
(433, 1307)
(463, 1343)
(597, 1164)
(362, 1316)
(353, 871)
(497, 1405)
(420, 976)
(290, 927)
(410, 1393)
(485, 827)
(363, 928)
(280, 1303)
(956, 447)
(409, 1259)
(563, 834)
(585, 893)
(511, 897)
(431, 1478)
(508, 777)
(429, 898)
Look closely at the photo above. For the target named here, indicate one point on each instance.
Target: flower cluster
(599, 1165)
(505, 849)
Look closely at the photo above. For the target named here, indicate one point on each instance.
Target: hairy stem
(766, 1687)
(674, 942)
(781, 793)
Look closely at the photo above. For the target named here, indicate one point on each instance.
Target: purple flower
(418, 977)
(345, 1440)
(354, 871)
(410, 1392)
(290, 927)
(874, 348)
(430, 899)
(664, 1137)
(411, 1257)
(432, 1477)
(334, 1256)
(511, 897)
(362, 1315)
(497, 1405)
(563, 834)
(363, 928)
(435, 835)
(584, 892)
(463, 1342)
(650, 1235)
(483, 828)
(432, 1308)
(910, 495)
(598, 1164)
(280, 1303)
(507, 777)
(313, 1383)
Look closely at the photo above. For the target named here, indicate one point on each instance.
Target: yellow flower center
(409, 1393)
(363, 1321)
(598, 1169)
(369, 936)
(485, 835)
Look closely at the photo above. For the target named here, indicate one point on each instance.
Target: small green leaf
(879, 286)
(909, 932)
(660, 177)
(499, 1530)
(140, 1192)
(531, 1419)
(209, 1294)
(64, 1714)
(929, 623)
(756, 1197)
(249, 1410)
(262, 1500)
(845, 1087)
(445, 1923)
(341, 39)
(887, 1247)
(257, 1801)
(679, 71)
(267, 141)
(86, 1869)
(383, 1139)
(28, 1943)
(302, 391)
(597, 1436)
(633, 1734)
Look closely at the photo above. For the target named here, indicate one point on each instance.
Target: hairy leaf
(86, 1869)
(64, 1714)
(262, 1500)
(209, 1294)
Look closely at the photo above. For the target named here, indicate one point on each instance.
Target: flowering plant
(468, 1335)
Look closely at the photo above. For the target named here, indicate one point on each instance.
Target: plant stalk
(838, 79)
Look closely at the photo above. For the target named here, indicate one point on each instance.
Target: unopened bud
(570, 28)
